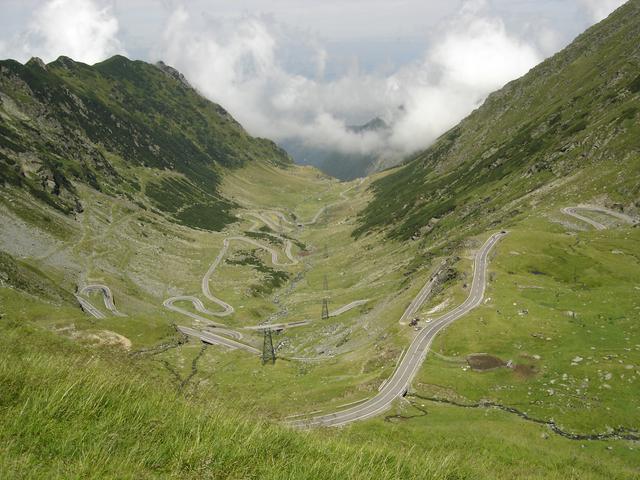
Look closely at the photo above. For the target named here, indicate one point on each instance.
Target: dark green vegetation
(576, 113)
(271, 279)
(265, 237)
(190, 204)
(115, 126)
(24, 277)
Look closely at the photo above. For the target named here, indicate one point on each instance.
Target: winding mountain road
(573, 212)
(107, 298)
(199, 306)
(417, 302)
(206, 291)
(347, 307)
(106, 295)
(315, 218)
(222, 329)
(406, 370)
(88, 307)
(212, 338)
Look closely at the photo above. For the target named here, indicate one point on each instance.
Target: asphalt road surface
(417, 302)
(89, 308)
(278, 326)
(347, 307)
(573, 211)
(107, 296)
(212, 338)
(199, 306)
(406, 370)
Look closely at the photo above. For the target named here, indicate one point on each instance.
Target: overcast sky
(305, 69)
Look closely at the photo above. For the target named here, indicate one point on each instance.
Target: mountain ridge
(581, 103)
(110, 124)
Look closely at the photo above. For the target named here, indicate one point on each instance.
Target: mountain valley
(178, 299)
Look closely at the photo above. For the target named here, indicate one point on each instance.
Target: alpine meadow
(182, 297)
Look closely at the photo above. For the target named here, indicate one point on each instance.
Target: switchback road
(222, 329)
(107, 297)
(573, 211)
(406, 370)
(89, 308)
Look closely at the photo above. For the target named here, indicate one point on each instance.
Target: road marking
(422, 296)
(398, 383)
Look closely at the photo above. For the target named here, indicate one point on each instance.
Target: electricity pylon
(268, 353)
(325, 283)
(325, 309)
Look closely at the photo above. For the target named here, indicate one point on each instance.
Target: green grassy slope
(123, 127)
(72, 409)
(130, 397)
(71, 412)
(145, 259)
(577, 113)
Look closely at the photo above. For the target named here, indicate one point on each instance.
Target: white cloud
(475, 57)
(81, 29)
(600, 9)
(238, 62)
(271, 76)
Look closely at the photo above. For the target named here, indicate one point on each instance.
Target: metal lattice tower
(325, 309)
(326, 251)
(268, 353)
(325, 283)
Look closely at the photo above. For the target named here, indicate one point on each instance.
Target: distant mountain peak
(64, 62)
(173, 73)
(375, 125)
(37, 61)
(68, 123)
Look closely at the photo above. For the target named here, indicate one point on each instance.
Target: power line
(325, 309)
(268, 353)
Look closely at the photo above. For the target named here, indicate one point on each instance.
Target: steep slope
(576, 114)
(123, 127)
(94, 396)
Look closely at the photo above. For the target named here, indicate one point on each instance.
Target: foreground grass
(70, 412)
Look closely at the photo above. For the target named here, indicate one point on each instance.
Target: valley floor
(557, 325)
